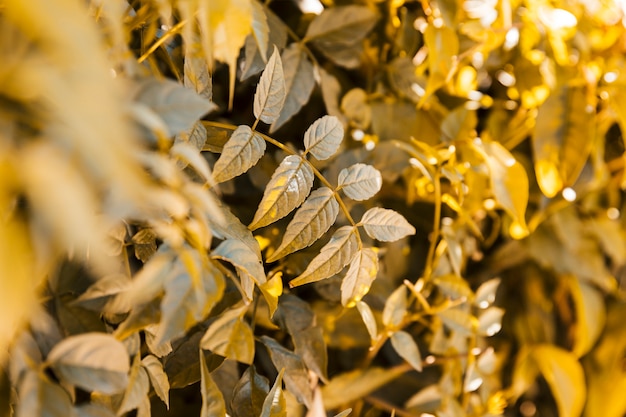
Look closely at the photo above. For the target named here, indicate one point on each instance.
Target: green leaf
(562, 138)
(230, 336)
(213, 404)
(299, 83)
(323, 137)
(360, 181)
(270, 92)
(344, 25)
(358, 280)
(310, 222)
(288, 188)
(275, 404)
(406, 347)
(395, 308)
(296, 373)
(260, 28)
(92, 361)
(158, 378)
(386, 225)
(368, 319)
(249, 394)
(242, 151)
(177, 106)
(336, 254)
(137, 389)
(350, 386)
(41, 398)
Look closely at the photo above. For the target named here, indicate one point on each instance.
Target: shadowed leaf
(270, 93)
(359, 278)
(242, 151)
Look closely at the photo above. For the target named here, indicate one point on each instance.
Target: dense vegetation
(290, 208)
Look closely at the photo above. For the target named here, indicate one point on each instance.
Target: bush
(367, 208)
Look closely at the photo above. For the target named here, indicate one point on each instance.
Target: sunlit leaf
(344, 413)
(289, 186)
(358, 280)
(272, 289)
(92, 361)
(158, 378)
(386, 225)
(310, 222)
(453, 286)
(296, 374)
(591, 315)
(212, 399)
(197, 77)
(93, 410)
(254, 61)
(137, 389)
(368, 319)
(406, 347)
(230, 336)
(341, 25)
(395, 307)
(244, 260)
(299, 82)
(350, 386)
(562, 138)
(271, 91)
(275, 404)
(486, 293)
(490, 321)
(323, 137)
(360, 181)
(242, 151)
(249, 394)
(336, 254)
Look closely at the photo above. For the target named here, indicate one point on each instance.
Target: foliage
(383, 207)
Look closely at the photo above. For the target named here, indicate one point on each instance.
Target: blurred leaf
(590, 315)
(212, 399)
(562, 139)
(230, 336)
(271, 90)
(358, 280)
(177, 106)
(443, 48)
(145, 244)
(92, 361)
(158, 378)
(296, 373)
(350, 386)
(93, 410)
(406, 347)
(490, 321)
(299, 82)
(386, 225)
(275, 404)
(250, 393)
(453, 286)
(137, 388)
(244, 260)
(196, 76)
(368, 319)
(190, 155)
(343, 25)
(41, 398)
(323, 137)
(459, 321)
(242, 151)
(102, 291)
(331, 90)
(196, 136)
(336, 254)
(290, 185)
(395, 308)
(356, 108)
(254, 61)
(360, 181)
(486, 293)
(228, 226)
(260, 28)
(311, 221)
(344, 413)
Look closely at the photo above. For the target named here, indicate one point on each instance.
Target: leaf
(92, 361)
(386, 225)
(270, 92)
(299, 83)
(249, 394)
(158, 378)
(354, 385)
(459, 321)
(296, 373)
(368, 319)
(228, 226)
(230, 336)
(323, 137)
(395, 308)
(196, 75)
(336, 254)
(272, 290)
(213, 404)
(406, 347)
(344, 413)
(137, 389)
(242, 151)
(275, 404)
(145, 244)
(341, 25)
(260, 28)
(359, 278)
(562, 139)
(331, 90)
(590, 315)
(490, 321)
(360, 181)
(41, 398)
(243, 259)
(355, 106)
(443, 48)
(190, 155)
(254, 62)
(310, 222)
(177, 106)
(288, 188)
(196, 136)
(93, 410)
(486, 293)
(102, 291)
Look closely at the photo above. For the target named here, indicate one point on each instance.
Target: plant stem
(172, 31)
(430, 259)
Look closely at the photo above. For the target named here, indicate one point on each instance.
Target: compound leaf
(289, 186)
(360, 181)
(361, 274)
(323, 137)
(270, 92)
(310, 222)
(386, 225)
(242, 151)
(336, 254)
